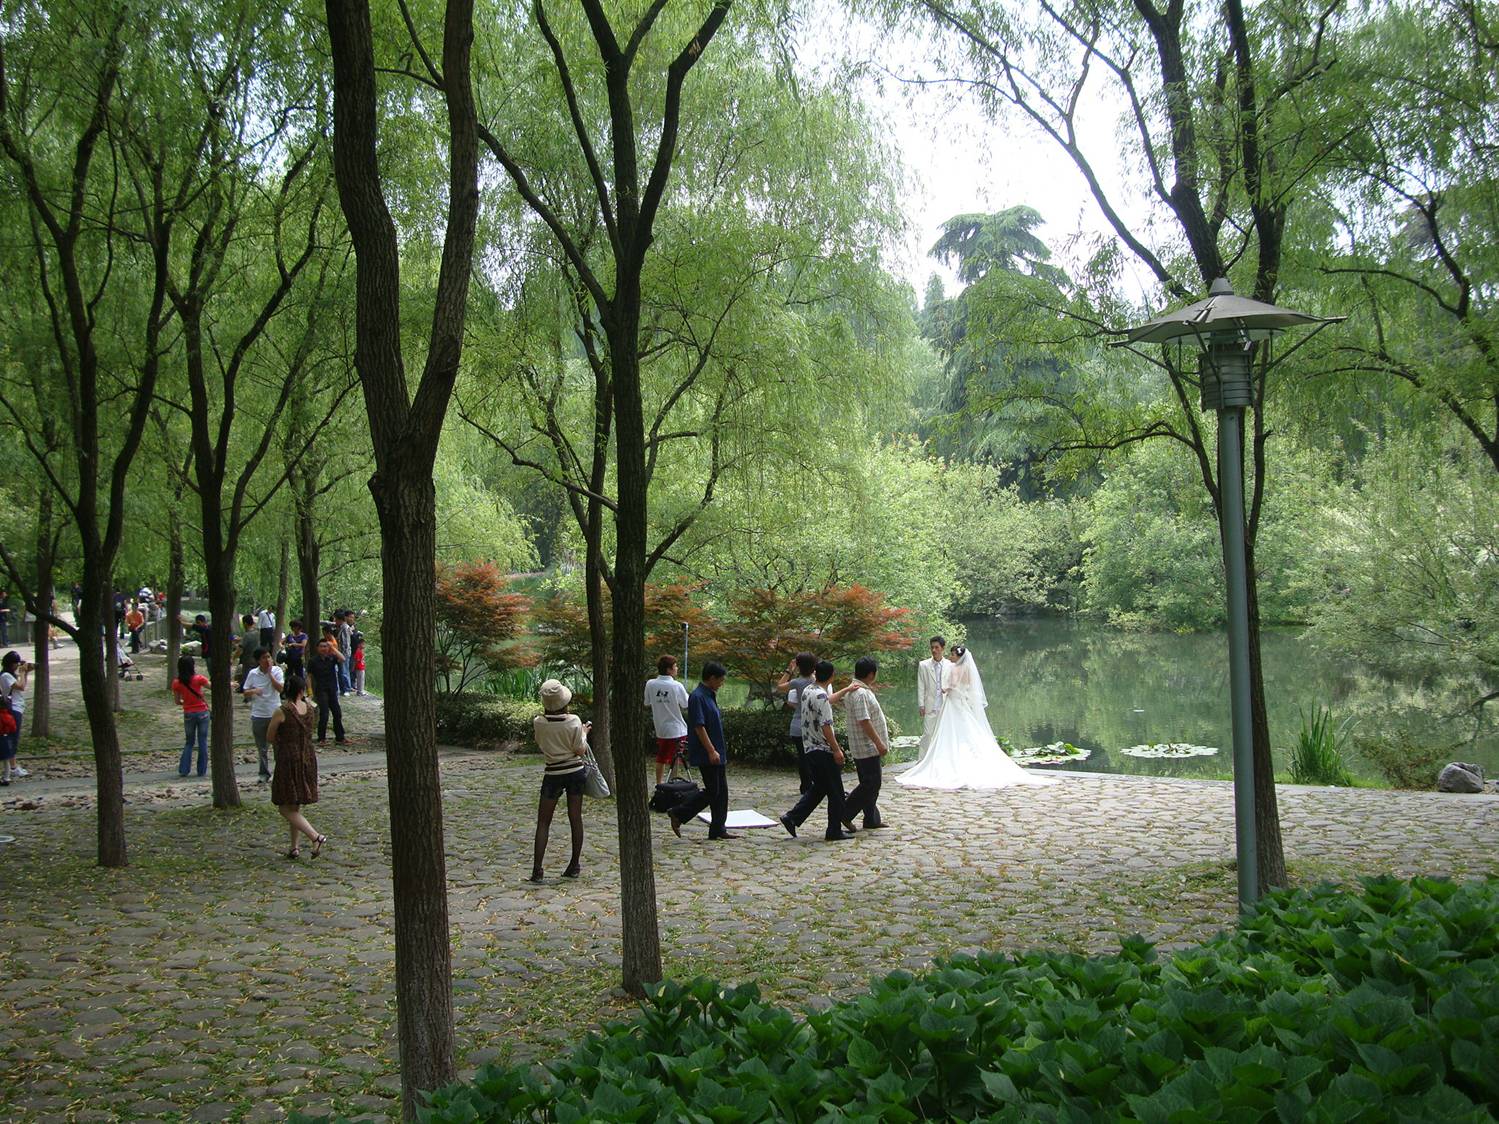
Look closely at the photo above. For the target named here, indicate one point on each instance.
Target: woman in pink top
(192, 692)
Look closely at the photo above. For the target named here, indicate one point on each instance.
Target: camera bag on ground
(676, 788)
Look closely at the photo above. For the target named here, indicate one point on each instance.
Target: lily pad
(1169, 749)
(1054, 754)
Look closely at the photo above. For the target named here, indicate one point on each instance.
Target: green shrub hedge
(485, 721)
(756, 736)
(1323, 1006)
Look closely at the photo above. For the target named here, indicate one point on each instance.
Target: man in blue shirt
(707, 750)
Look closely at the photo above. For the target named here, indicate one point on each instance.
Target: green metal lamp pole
(1225, 328)
(1226, 389)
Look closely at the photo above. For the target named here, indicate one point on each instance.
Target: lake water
(1103, 689)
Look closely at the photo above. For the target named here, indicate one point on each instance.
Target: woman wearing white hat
(563, 739)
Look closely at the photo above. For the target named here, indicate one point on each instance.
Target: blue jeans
(195, 723)
(344, 682)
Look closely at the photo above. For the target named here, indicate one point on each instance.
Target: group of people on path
(810, 696)
(260, 677)
(958, 746)
(288, 693)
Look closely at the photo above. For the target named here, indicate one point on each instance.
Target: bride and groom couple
(958, 749)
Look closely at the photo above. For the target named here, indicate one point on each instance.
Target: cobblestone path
(214, 979)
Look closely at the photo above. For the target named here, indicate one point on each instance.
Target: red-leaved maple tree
(770, 626)
(481, 624)
(562, 625)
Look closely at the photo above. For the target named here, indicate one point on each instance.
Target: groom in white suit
(931, 677)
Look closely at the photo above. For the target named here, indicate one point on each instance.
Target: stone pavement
(214, 979)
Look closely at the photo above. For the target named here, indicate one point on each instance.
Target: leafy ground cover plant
(1323, 1005)
(1318, 756)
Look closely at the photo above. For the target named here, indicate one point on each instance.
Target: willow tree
(405, 429)
(74, 79)
(763, 276)
(1411, 245)
(623, 70)
(249, 293)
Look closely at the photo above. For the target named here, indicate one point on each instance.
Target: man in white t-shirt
(667, 699)
(262, 687)
(265, 621)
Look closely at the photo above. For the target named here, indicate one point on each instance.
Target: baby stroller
(128, 670)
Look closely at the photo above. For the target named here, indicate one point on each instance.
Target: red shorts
(668, 748)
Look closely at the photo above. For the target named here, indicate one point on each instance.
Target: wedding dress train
(964, 752)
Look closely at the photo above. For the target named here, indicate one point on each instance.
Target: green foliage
(878, 510)
(1318, 754)
(1153, 556)
(1411, 550)
(485, 721)
(1407, 745)
(1322, 1005)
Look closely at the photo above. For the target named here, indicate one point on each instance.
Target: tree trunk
(283, 587)
(97, 611)
(220, 669)
(408, 531)
(1270, 852)
(307, 549)
(639, 927)
(39, 705)
(598, 637)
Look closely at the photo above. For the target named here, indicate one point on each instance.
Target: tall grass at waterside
(1318, 756)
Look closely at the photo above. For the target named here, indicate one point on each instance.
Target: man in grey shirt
(797, 678)
(868, 743)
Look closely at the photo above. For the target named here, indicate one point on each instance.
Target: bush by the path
(1324, 1005)
(485, 720)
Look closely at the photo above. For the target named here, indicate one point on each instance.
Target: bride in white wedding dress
(963, 752)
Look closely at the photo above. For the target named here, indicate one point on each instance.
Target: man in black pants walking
(868, 743)
(322, 670)
(707, 749)
(824, 757)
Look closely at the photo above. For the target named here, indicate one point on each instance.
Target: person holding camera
(14, 672)
(563, 739)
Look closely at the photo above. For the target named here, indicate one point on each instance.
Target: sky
(958, 161)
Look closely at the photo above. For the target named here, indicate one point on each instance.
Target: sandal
(317, 845)
(294, 853)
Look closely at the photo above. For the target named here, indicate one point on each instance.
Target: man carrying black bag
(707, 750)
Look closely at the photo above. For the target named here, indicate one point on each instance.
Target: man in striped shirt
(868, 743)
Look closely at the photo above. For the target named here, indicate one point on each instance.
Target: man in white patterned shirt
(824, 756)
(868, 743)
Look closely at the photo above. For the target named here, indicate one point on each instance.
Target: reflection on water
(1051, 680)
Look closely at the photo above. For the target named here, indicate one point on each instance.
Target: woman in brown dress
(295, 779)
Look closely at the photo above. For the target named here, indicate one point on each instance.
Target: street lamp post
(1226, 329)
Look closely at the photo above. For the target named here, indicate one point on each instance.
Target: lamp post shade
(1222, 311)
